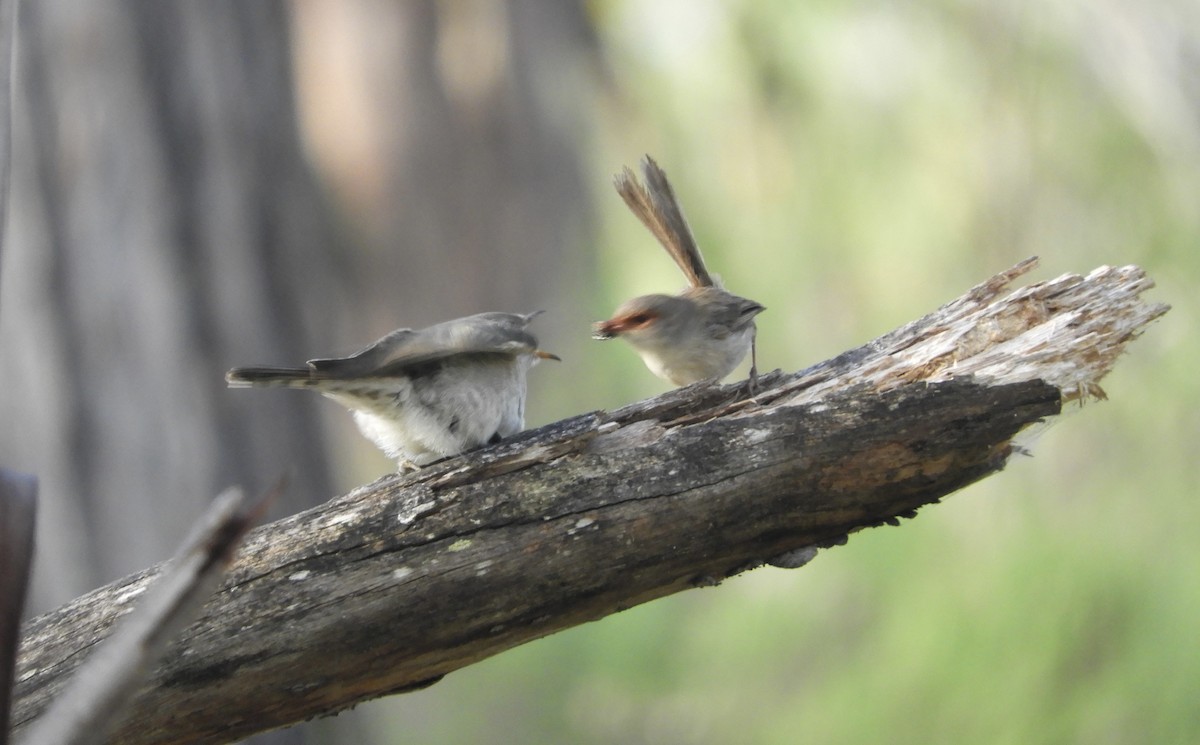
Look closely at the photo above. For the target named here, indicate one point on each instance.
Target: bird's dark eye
(640, 318)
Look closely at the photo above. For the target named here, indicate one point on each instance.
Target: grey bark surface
(409, 578)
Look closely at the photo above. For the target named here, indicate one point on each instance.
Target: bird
(702, 333)
(426, 394)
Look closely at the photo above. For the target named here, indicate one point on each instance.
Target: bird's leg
(752, 380)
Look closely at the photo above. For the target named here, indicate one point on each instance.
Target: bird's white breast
(702, 358)
(459, 407)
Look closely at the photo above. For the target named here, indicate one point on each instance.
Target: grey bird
(702, 333)
(427, 394)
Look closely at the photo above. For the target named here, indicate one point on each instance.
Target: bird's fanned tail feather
(654, 203)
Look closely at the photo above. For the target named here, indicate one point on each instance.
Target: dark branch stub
(18, 518)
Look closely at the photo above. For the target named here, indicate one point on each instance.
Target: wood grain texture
(404, 580)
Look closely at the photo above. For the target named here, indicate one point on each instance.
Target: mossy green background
(852, 165)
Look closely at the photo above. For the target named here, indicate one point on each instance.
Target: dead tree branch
(404, 580)
(100, 690)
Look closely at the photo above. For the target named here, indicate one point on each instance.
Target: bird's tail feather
(285, 377)
(654, 203)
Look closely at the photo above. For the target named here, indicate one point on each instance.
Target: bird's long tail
(280, 377)
(655, 205)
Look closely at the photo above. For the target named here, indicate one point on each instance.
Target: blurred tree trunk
(166, 226)
(455, 135)
(164, 222)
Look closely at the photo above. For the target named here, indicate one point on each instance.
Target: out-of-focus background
(203, 185)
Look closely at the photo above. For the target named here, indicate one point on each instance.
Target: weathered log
(394, 585)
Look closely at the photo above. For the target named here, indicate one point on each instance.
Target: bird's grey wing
(365, 360)
(656, 206)
(483, 333)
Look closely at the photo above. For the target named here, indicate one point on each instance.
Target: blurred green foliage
(853, 164)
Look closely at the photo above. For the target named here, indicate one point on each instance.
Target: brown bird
(427, 394)
(702, 333)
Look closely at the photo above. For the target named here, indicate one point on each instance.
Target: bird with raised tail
(702, 333)
(426, 394)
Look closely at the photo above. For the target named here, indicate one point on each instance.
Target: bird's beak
(607, 329)
(542, 354)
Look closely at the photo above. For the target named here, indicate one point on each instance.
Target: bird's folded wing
(495, 333)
